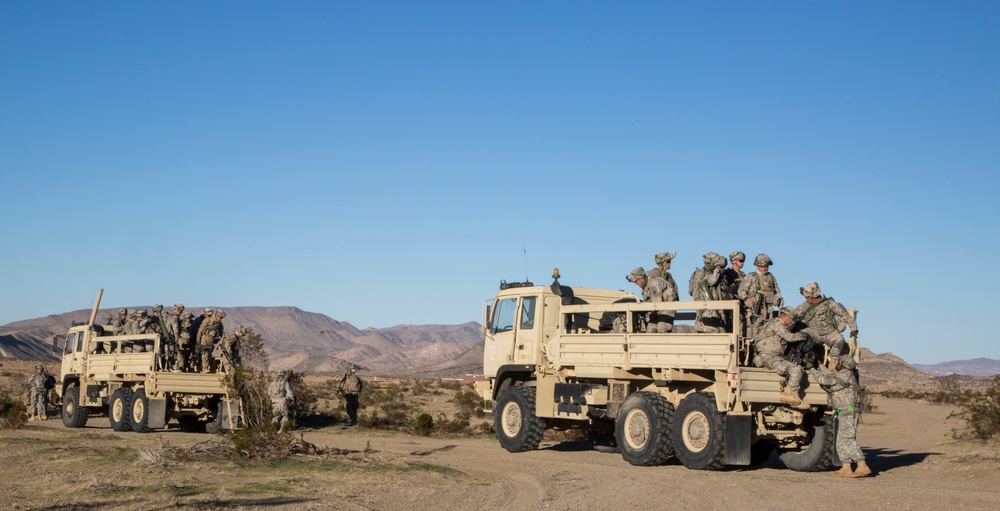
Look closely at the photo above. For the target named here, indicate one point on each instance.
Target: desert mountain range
(315, 343)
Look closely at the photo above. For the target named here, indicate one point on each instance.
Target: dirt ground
(909, 444)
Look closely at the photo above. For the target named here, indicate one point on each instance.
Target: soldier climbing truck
(123, 376)
(559, 357)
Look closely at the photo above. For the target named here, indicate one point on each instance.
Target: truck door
(72, 359)
(499, 343)
(526, 333)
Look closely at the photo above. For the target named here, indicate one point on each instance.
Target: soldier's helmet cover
(220, 314)
(788, 311)
(811, 290)
(737, 256)
(122, 311)
(710, 259)
(282, 372)
(848, 361)
(39, 366)
(179, 306)
(763, 260)
(719, 261)
(157, 308)
(351, 370)
(188, 315)
(636, 274)
(207, 312)
(663, 257)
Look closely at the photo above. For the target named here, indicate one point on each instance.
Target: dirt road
(918, 465)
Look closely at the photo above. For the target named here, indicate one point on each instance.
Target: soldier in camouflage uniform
(36, 394)
(706, 284)
(839, 381)
(118, 325)
(770, 347)
(185, 343)
(281, 395)
(825, 319)
(733, 276)
(170, 326)
(662, 270)
(760, 293)
(654, 289)
(231, 348)
(350, 388)
(208, 336)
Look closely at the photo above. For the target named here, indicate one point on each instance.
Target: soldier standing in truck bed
(185, 343)
(208, 336)
(733, 276)
(671, 293)
(760, 293)
(119, 323)
(770, 347)
(706, 284)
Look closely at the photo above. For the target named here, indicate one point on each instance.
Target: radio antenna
(525, 245)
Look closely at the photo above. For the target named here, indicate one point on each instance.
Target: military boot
(792, 400)
(862, 470)
(844, 471)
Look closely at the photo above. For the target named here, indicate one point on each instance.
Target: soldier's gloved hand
(854, 333)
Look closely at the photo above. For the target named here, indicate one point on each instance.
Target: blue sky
(389, 163)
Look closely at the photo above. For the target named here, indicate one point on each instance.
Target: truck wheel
(642, 430)
(73, 415)
(118, 410)
(139, 411)
(518, 429)
(818, 455)
(700, 433)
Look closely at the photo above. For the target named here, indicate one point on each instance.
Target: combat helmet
(790, 312)
(663, 257)
(848, 361)
(636, 274)
(737, 256)
(811, 290)
(763, 260)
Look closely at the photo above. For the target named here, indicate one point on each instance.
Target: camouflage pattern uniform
(760, 292)
(671, 293)
(208, 337)
(350, 387)
(654, 289)
(231, 348)
(733, 276)
(843, 388)
(37, 393)
(185, 343)
(280, 393)
(118, 325)
(171, 330)
(706, 284)
(825, 319)
(770, 350)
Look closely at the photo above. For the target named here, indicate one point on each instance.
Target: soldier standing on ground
(825, 319)
(839, 381)
(770, 349)
(280, 393)
(654, 289)
(350, 387)
(36, 394)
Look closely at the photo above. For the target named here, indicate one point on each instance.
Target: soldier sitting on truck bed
(654, 289)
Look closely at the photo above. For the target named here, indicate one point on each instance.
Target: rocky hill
(294, 339)
(974, 367)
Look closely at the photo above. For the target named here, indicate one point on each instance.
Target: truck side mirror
(55, 344)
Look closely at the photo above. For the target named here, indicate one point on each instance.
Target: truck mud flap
(157, 414)
(739, 429)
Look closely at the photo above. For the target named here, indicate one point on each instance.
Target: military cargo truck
(560, 357)
(123, 377)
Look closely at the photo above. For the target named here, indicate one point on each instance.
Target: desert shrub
(451, 385)
(469, 402)
(904, 394)
(420, 387)
(423, 425)
(866, 402)
(949, 391)
(13, 414)
(258, 438)
(457, 425)
(388, 407)
(981, 412)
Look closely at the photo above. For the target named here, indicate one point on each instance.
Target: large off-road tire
(818, 455)
(139, 411)
(642, 430)
(700, 432)
(73, 415)
(518, 429)
(119, 410)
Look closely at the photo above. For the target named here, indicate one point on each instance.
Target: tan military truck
(558, 357)
(122, 376)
